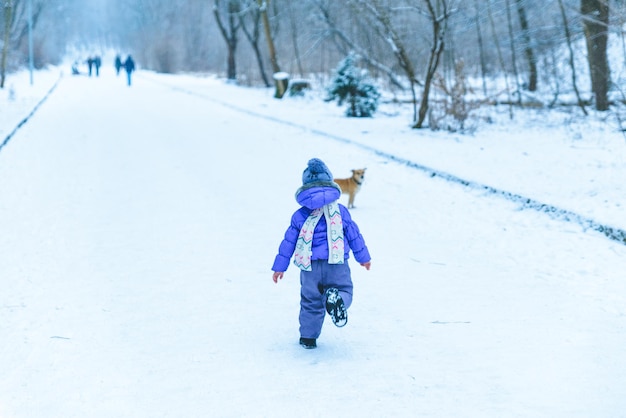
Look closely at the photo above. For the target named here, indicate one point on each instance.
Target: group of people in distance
(94, 62)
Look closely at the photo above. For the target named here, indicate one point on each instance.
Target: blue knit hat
(316, 174)
(316, 171)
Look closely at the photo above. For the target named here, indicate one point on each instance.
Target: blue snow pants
(313, 286)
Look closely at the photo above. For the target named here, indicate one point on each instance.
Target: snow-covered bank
(557, 158)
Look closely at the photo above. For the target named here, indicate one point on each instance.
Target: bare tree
(620, 24)
(229, 33)
(8, 17)
(280, 82)
(509, 22)
(384, 26)
(595, 14)
(568, 39)
(528, 50)
(346, 44)
(293, 20)
(19, 31)
(500, 57)
(252, 34)
(438, 13)
(481, 48)
(15, 32)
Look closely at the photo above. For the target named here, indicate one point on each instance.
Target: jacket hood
(317, 194)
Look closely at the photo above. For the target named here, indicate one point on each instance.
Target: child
(321, 234)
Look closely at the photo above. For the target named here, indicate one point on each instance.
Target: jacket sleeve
(287, 246)
(354, 238)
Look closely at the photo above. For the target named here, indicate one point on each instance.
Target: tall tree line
(520, 46)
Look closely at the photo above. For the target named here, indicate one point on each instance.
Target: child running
(320, 238)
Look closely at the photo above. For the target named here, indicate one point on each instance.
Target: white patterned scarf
(334, 228)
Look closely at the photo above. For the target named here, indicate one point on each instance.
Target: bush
(351, 85)
(453, 111)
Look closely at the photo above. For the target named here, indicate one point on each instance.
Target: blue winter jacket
(313, 197)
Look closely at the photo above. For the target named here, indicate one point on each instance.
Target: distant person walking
(118, 64)
(97, 61)
(90, 63)
(129, 65)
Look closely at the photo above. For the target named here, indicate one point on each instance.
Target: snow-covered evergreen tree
(352, 86)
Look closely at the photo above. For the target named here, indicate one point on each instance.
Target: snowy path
(138, 228)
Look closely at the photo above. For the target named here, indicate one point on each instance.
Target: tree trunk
(294, 38)
(253, 38)
(229, 34)
(259, 60)
(513, 55)
(280, 82)
(439, 21)
(481, 50)
(528, 50)
(8, 17)
(500, 57)
(568, 39)
(595, 14)
(620, 24)
(231, 71)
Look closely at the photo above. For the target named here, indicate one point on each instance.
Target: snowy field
(138, 227)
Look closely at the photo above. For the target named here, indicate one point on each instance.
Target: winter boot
(336, 308)
(308, 343)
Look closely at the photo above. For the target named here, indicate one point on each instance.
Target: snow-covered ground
(138, 227)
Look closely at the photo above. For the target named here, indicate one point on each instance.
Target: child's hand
(278, 275)
(366, 265)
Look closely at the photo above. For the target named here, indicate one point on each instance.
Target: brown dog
(352, 185)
